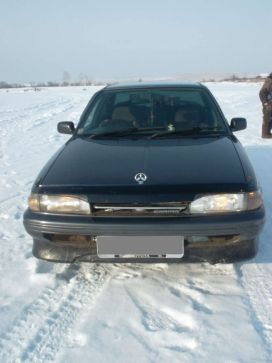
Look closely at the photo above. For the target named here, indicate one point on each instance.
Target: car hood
(183, 162)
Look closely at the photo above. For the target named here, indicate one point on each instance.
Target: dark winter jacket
(266, 90)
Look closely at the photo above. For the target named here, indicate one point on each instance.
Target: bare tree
(66, 78)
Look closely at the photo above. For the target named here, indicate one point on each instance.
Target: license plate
(151, 247)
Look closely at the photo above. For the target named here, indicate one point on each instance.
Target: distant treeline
(48, 84)
(232, 78)
(235, 78)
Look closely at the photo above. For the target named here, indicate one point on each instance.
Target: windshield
(147, 111)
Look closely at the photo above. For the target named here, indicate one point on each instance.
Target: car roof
(160, 84)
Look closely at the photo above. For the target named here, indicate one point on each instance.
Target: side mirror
(66, 127)
(238, 123)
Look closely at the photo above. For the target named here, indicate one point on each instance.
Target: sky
(124, 39)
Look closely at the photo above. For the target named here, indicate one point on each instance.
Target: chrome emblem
(140, 178)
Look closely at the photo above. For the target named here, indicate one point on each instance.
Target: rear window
(149, 108)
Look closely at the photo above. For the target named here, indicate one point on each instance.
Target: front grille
(171, 209)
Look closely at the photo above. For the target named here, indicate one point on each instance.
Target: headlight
(59, 204)
(226, 203)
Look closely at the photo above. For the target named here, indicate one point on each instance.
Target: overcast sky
(39, 39)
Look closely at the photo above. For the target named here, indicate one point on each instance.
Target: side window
(212, 115)
(89, 119)
(98, 112)
(92, 113)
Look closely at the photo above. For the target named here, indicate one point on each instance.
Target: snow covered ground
(123, 313)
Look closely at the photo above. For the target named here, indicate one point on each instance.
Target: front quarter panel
(246, 164)
(45, 170)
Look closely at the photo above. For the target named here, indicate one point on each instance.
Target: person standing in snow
(266, 99)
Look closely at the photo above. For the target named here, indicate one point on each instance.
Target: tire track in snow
(41, 329)
(30, 317)
(23, 114)
(254, 278)
(258, 298)
(255, 275)
(37, 107)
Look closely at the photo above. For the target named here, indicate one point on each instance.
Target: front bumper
(223, 238)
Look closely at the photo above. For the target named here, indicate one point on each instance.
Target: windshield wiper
(211, 131)
(129, 131)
